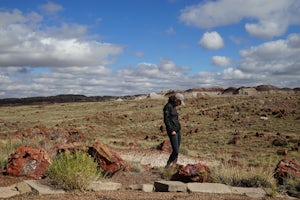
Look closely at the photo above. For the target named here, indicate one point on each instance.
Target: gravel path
(157, 158)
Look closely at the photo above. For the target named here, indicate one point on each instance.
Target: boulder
(279, 142)
(192, 173)
(287, 168)
(28, 161)
(107, 159)
(165, 146)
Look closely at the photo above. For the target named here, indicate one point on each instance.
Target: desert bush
(6, 148)
(167, 173)
(135, 166)
(238, 176)
(73, 171)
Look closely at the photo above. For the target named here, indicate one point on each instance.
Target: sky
(129, 47)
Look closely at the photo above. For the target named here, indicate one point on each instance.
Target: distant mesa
(190, 93)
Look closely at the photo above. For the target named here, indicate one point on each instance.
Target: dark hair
(173, 100)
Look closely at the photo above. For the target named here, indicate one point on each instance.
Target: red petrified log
(28, 161)
(107, 159)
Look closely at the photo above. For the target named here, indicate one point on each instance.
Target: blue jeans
(175, 143)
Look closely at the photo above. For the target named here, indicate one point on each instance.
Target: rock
(209, 188)
(147, 188)
(28, 161)
(192, 173)
(162, 128)
(170, 186)
(8, 192)
(43, 188)
(234, 140)
(134, 187)
(107, 159)
(23, 187)
(99, 186)
(165, 146)
(279, 142)
(287, 168)
(250, 192)
(282, 152)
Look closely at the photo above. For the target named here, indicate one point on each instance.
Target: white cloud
(275, 57)
(211, 40)
(51, 8)
(43, 61)
(268, 18)
(265, 29)
(24, 43)
(221, 61)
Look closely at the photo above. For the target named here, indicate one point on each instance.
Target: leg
(175, 147)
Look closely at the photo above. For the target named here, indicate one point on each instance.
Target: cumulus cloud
(275, 57)
(23, 44)
(221, 61)
(268, 18)
(36, 60)
(211, 40)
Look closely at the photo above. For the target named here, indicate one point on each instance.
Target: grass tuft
(244, 177)
(73, 171)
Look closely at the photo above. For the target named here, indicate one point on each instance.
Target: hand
(173, 133)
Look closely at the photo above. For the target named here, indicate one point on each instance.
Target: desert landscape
(246, 129)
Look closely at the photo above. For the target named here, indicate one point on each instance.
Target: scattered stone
(170, 186)
(135, 187)
(23, 187)
(42, 188)
(259, 134)
(192, 173)
(287, 168)
(8, 192)
(147, 188)
(250, 192)
(99, 185)
(264, 118)
(28, 161)
(279, 142)
(107, 159)
(209, 188)
(282, 152)
(162, 128)
(165, 146)
(234, 140)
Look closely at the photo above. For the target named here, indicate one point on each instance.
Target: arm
(167, 119)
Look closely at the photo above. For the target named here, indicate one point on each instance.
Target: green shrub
(74, 171)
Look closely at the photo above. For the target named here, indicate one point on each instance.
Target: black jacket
(171, 118)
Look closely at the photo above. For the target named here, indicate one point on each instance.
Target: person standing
(173, 126)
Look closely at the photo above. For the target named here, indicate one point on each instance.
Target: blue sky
(127, 47)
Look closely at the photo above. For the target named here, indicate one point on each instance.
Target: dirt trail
(157, 158)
